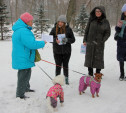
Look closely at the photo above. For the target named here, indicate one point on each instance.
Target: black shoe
(23, 97)
(30, 90)
(124, 79)
(121, 78)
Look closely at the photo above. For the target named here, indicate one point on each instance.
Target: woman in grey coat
(96, 33)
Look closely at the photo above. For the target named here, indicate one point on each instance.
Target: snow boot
(30, 90)
(23, 97)
(124, 79)
(66, 80)
(121, 78)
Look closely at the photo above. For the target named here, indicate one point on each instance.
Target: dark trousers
(90, 71)
(121, 64)
(62, 60)
(23, 85)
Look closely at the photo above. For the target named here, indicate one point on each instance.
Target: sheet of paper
(83, 49)
(47, 38)
(60, 37)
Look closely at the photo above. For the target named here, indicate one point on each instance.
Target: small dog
(54, 92)
(93, 83)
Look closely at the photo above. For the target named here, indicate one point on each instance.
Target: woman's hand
(84, 43)
(58, 41)
(120, 23)
(45, 42)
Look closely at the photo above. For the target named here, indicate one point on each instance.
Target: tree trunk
(117, 17)
(2, 32)
(31, 6)
(11, 4)
(16, 9)
(71, 12)
(87, 3)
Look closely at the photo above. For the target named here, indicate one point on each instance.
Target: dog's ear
(102, 74)
(95, 73)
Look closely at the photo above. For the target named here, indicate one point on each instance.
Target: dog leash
(44, 72)
(62, 67)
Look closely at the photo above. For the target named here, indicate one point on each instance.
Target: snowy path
(112, 93)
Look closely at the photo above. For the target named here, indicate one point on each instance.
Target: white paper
(83, 49)
(60, 37)
(47, 38)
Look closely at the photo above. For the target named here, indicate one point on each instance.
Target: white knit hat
(124, 8)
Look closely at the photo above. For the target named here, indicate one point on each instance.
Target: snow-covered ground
(112, 93)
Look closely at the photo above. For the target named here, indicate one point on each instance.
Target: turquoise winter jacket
(24, 46)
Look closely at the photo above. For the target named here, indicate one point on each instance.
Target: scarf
(122, 29)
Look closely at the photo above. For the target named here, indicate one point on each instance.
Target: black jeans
(23, 85)
(121, 64)
(90, 71)
(62, 60)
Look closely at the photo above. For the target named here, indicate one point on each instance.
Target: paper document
(83, 49)
(47, 38)
(60, 37)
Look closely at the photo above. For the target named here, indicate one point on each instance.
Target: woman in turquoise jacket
(24, 46)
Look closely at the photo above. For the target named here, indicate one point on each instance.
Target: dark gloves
(64, 40)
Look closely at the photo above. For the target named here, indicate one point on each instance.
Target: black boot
(121, 71)
(98, 70)
(67, 80)
(90, 71)
(23, 97)
(30, 90)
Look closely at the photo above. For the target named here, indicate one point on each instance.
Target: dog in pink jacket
(55, 92)
(93, 83)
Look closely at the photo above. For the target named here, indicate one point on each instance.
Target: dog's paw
(55, 109)
(93, 96)
(62, 104)
(97, 95)
(80, 93)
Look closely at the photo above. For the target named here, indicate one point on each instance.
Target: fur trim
(60, 79)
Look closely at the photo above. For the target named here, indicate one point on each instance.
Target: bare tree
(68, 7)
(31, 5)
(11, 4)
(71, 11)
(16, 8)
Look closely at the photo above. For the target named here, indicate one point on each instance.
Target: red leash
(62, 67)
(53, 64)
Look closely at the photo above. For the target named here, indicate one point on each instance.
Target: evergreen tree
(81, 20)
(3, 21)
(40, 22)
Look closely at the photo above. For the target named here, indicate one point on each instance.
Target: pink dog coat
(86, 81)
(56, 91)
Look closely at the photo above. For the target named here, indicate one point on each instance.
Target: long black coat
(96, 33)
(121, 43)
(63, 49)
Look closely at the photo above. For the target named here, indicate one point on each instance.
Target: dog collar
(96, 82)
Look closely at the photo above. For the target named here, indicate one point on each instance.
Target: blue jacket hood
(20, 24)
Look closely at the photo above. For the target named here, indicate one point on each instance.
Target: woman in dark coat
(96, 33)
(62, 52)
(121, 42)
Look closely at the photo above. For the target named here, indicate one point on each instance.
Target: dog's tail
(50, 108)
